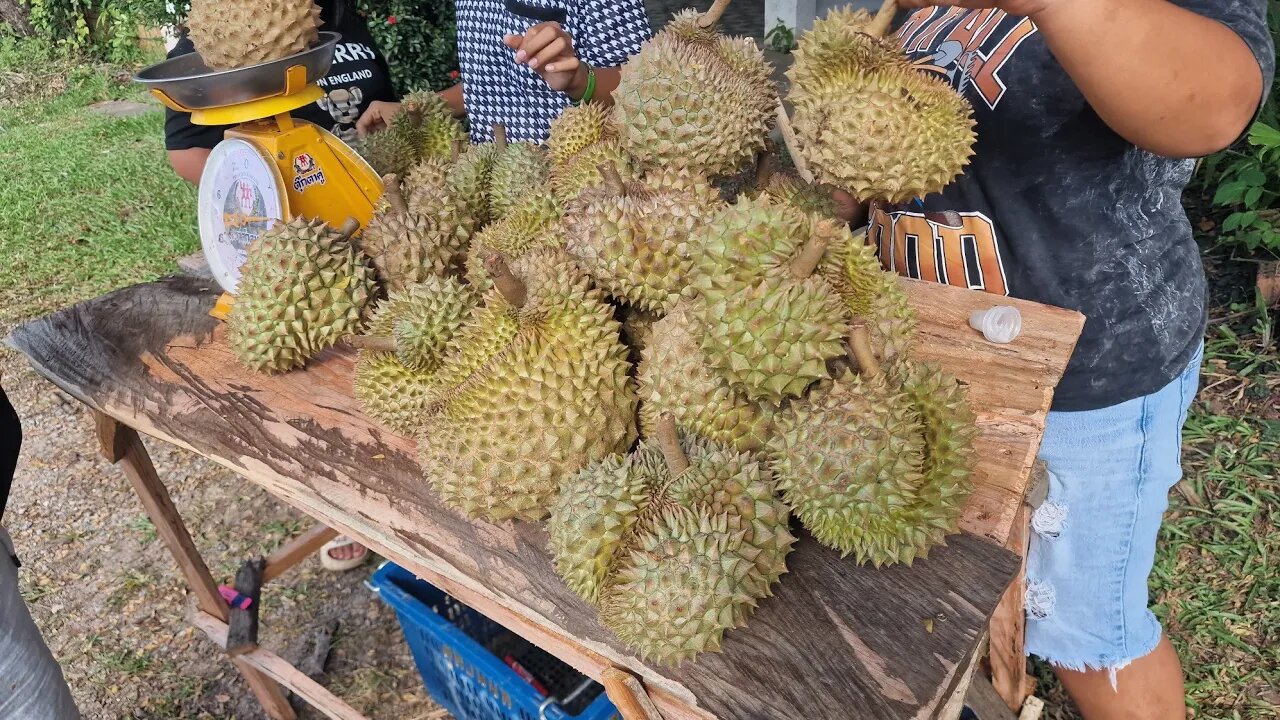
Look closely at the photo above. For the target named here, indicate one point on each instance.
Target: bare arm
(189, 163)
(453, 96)
(1164, 78)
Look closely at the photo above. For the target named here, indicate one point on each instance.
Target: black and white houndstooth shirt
(498, 90)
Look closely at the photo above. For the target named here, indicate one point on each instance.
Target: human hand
(377, 117)
(548, 50)
(1023, 8)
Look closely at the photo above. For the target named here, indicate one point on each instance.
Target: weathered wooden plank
(296, 550)
(1010, 386)
(837, 639)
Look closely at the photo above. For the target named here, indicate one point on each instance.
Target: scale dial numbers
(241, 195)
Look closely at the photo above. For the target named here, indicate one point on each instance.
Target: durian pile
(587, 333)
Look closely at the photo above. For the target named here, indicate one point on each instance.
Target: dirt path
(105, 592)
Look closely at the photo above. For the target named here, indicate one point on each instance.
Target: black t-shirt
(1058, 208)
(358, 77)
(10, 443)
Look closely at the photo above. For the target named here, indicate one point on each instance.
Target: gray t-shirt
(1058, 208)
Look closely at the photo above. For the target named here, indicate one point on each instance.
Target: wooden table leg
(1008, 627)
(121, 446)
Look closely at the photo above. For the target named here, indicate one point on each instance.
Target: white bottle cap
(1000, 324)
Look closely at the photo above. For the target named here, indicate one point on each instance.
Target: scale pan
(187, 81)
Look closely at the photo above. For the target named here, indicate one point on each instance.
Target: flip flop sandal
(333, 564)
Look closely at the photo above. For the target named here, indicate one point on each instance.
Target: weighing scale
(271, 166)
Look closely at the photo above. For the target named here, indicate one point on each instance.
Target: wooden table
(837, 641)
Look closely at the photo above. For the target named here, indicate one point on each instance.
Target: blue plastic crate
(460, 654)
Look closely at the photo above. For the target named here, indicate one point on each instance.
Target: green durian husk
(844, 81)
(672, 562)
(634, 240)
(675, 376)
(691, 98)
(520, 417)
(396, 388)
(871, 294)
(518, 169)
(388, 152)
(532, 225)
(408, 247)
(434, 129)
(303, 287)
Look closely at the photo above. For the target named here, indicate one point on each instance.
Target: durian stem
(879, 25)
(713, 14)
(500, 136)
(765, 168)
(457, 149)
(793, 144)
(612, 180)
(391, 185)
(809, 258)
(669, 440)
(860, 346)
(378, 343)
(507, 283)
(349, 227)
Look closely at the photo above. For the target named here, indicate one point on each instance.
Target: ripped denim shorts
(1093, 539)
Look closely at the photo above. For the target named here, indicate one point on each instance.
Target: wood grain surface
(836, 641)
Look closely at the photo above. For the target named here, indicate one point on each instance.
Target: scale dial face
(241, 195)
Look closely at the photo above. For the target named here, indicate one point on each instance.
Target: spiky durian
(871, 294)
(633, 239)
(407, 247)
(877, 465)
(769, 324)
(582, 139)
(675, 543)
(404, 344)
(790, 189)
(533, 224)
(868, 121)
(239, 33)
(693, 98)
(517, 169)
(302, 288)
(534, 389)
(675, 377)
(431, 124)
(388, 152)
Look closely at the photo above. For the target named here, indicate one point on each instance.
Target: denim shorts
(1093, 539)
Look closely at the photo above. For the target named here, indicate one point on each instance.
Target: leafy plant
(419, 39)
(1250, 185)
(781, 38)
(104, 29)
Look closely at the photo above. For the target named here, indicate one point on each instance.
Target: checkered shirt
(498, 90)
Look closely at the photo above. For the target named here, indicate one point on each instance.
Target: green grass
(88, 203)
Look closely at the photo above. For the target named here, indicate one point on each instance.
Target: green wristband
(590, 92)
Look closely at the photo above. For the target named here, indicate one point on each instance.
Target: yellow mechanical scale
(270, 166)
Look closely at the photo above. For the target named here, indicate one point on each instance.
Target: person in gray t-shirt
(1085, 110)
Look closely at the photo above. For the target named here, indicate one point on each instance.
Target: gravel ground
(112, 606)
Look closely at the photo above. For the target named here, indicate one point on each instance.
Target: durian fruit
(535, 387)
(877, 465)
(791, 189)
(866, 120)
(633, 238)
(871, 294)
(239, 33)
(303, 287)
(675, 543)
(403, 346)
(675, 377)
(694, 98)
(408, 247)
(770, 324)
(582, 139)
(517, 169)
(532, 224)
(431, 123)
(388, 152)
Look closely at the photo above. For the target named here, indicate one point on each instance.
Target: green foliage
(419, 39)
(1246, 179)
(781, 38)
(104, 29)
